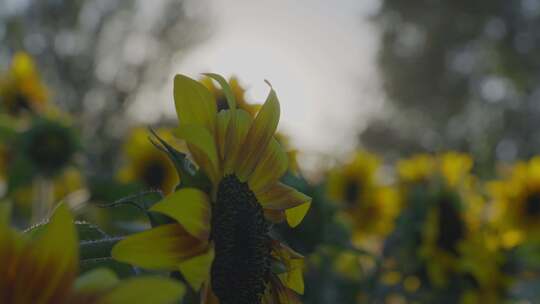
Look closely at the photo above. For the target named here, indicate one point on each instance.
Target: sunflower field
(218, 204)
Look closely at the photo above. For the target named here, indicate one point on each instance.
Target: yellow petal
(294, 277)
(259, 135)
(194, 103)
(191, 208)
(49, 264)
(271, 167)
(274, 216)
(162, 247)
(280, 196)
(196, 270)
(236, 134)
(279, 294)
(145, 290)
(11, 245)
(208, 296)
(223, 120)
(296, 215)
(97, 280)
(203, 148)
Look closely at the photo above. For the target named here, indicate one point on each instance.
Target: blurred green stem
(43, 198)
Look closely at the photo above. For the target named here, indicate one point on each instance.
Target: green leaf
(189, 175)
(95, 250)
(89, 231)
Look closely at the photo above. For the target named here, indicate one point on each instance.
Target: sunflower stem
(43, 199)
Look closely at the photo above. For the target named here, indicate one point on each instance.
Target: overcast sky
(318, 55)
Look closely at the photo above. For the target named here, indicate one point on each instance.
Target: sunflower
(237, 90)
(48, 145)
(452, 168)
(42, 268)
(416, 169)
(147, 164)
(369, 206)
(21, 88)
(443, 194)
(354, 182)
(444, 231)
(220, 239)
(516, 203)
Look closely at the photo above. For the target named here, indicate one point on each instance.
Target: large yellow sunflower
(221, 239)
(21, 88)
(42, 269)
(146, 163)
(516, 203)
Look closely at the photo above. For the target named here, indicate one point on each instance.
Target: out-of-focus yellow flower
(375, 217)
(453, 168)
(21, 88)
(147, 164)
(354, 183)
(454, 244)
(43, 268)
(445, 229)
(348, 265)
(370, 207)
(516, 203)
(416, 169)
(483, 261)
(237, 90)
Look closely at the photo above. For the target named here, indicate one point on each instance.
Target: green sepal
(189, 175)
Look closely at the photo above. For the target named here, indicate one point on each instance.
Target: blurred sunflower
(452, 168)
(147, 164)
(48, 145)
(42, 267)
(353, 183)
(221, 240)
(482, 260)
(444, 231)
(370, 207)
(21, 88)
(416, 169)
(445, 198)
(237, 90)
(516, 203)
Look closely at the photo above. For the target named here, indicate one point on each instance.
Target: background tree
(459, 75)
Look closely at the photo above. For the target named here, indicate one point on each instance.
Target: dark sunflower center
(154, 173)
(19, 104)
(49, 147)
(241, 266)
(532, 204)
(221, 103)
(352, 191)
(451, 226)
